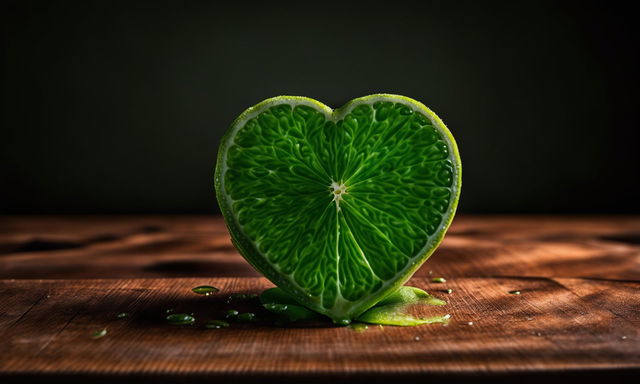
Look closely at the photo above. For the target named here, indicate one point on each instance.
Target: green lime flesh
(394, 309)
(338, 207)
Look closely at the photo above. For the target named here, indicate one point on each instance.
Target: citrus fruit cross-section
(338, 207)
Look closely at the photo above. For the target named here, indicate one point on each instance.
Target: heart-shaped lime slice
(338, 207)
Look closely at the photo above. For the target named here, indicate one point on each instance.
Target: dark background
(118, 107)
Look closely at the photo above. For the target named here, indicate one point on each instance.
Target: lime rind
(342, 310)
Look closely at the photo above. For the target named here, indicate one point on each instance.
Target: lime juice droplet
(216, 324)
(231, 314)
(246, 316)
(180, 319)
(205, 290)
(358, 327)
(99, 334)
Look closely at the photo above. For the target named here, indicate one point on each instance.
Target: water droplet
(417, 338)
(449, 291)
(438, 280)
(537, 334)
(180, 319)
(170, 310)
(241, 296)
(342, 322)
(358, 327)
(623, 337)
(246, 316)
(99, 334)
(529, 318)
(514, 292)
(231, 313)
(122, 315)
(216, 324)
(469, 322)
(205, 290)
(276, 307)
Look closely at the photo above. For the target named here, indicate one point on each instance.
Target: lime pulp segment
(338, 208)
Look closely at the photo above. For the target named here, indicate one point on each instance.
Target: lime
(338, 207)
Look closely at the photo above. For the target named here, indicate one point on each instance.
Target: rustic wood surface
(64, 278)
(199, 246)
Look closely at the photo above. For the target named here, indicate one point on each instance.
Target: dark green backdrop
(119, 106)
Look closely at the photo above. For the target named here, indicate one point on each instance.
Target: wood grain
(555, 324)
(606, 247)
(63, 278)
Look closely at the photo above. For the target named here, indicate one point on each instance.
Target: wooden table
(64, 278)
